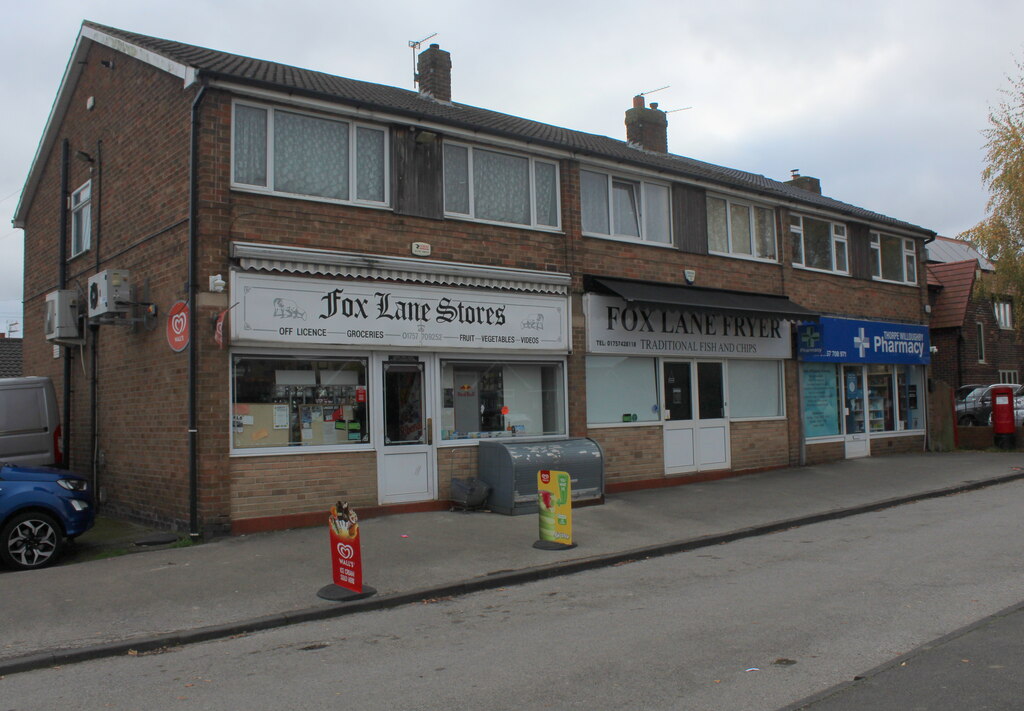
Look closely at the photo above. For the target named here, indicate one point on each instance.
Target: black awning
(702, 299)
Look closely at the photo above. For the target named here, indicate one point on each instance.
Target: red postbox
(1003, 423)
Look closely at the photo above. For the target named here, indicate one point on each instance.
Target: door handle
(430, 430)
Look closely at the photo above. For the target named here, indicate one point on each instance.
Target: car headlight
(74, 484)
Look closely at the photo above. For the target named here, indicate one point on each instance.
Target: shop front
(396, 370)
(862, 382)
(698, 363)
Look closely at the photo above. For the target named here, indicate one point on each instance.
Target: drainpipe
(94, 431)
(62, 280)
(193, 256)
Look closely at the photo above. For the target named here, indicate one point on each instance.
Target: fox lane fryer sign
(178, 327)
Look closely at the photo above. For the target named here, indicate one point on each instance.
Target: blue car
(41, 508)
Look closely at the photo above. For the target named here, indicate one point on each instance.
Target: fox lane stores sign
(316, 311)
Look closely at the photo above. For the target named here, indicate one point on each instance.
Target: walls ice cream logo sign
(177, 327)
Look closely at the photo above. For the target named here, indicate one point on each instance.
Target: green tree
(1000, 236)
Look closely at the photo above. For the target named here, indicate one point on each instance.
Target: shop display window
(621, 389)
(821, 399)
(501, 399)
(756, 389)
(881, 404)
(297, 402)
(910, 385)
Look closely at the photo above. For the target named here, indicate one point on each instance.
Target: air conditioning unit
(61, 315)
(109, 293)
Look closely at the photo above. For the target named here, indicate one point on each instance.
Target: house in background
(10, 357)
(297, 288)
(974, 336)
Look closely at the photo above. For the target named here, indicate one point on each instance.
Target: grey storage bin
(510, 467)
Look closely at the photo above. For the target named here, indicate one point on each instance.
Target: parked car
(976, 406)
(1018, 413)
(41, 508)
(29, 422)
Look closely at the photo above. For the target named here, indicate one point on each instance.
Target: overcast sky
(883, 100)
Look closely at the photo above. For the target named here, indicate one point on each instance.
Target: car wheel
(31, 540)
(967, 421)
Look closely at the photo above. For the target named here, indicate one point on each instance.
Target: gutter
(193, 255)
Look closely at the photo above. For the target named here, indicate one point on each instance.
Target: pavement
(150, 592)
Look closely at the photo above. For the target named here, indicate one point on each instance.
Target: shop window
(821, 386)
(621, 389)
(755, 389)
(1004, 313)
(500, 187)
(296, 402)
(302, 154)
(819, 244)
(881, 401)
(741, 229)
(893, 258)
(626, 208)
(81, 219)
(504, 399)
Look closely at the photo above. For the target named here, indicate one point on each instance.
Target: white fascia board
(63, 99)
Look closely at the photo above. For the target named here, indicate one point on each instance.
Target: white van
(30, 431)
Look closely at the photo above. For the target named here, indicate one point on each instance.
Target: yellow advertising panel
(554, 504)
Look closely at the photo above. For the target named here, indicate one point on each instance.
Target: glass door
(405, 452)
(696, 428)
(855, 412)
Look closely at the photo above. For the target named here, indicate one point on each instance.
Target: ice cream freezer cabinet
(510, 468)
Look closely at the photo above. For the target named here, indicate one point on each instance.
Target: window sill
(256, 190)
(516, 225)
(629, 240)
(611, 425)
(294, 451)
(744, 257)
(880, 280)
(802, 268)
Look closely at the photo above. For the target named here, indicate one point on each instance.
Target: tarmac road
(750, 625)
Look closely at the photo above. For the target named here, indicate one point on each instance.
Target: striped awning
(253, 256)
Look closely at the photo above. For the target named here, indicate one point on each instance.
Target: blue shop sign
(841, 340)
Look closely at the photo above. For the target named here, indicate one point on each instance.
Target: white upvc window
(81, 219)
(625, 207)
(1009, 376)
(893, 258)
(741, 229)
(501, 187)
(1004, 314)
(819, 244)
(309, 155)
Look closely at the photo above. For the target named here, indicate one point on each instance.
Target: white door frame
(856, 444)
(405, 472)
(694, 444)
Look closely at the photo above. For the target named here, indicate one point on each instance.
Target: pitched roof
(957, 279)
(10, 357)
(200, 62)
(947, 249)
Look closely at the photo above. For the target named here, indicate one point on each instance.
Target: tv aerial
(415, 45)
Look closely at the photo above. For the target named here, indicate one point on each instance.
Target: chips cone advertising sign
(346, 559)
(554, 507)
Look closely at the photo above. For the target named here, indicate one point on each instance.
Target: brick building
(974, 334)
(376, 279)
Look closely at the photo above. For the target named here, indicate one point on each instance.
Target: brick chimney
(434, 73)
(647, 127)
(805, 182)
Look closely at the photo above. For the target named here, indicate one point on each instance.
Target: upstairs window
(625, 208)
(741, 229)
(500, 187)
(893, 258)
(819, 244)
(1004, 316)
(301, 154)
(81, 219)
